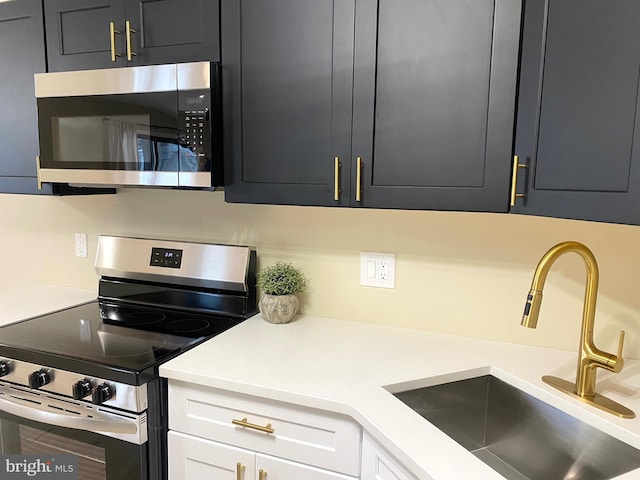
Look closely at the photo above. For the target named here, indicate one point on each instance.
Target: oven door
(121, 126)
(35, 423)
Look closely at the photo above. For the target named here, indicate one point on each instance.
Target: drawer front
(305, 435)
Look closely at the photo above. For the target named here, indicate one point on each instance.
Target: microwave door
(126, 139)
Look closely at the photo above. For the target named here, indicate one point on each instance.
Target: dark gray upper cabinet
(22, 55)
(380, 103)
(86, 34)
(577, 126)
(434, 102)
(287, 82)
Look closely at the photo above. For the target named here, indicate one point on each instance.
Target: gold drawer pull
(112, 34)
(336, 179)
(262, 475)
(358, 178)
(130, 53)
(38, 179)
(244, 423)
(239, 471)
(514, 180)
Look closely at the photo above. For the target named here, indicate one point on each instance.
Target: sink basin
(518, 435)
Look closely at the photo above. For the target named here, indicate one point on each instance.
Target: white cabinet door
(377, 464)
(271, 468)
(192, 458)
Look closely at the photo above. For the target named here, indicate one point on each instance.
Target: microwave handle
(32, 412)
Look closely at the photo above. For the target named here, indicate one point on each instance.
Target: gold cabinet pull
(262, 475)
(514, 180)
(112, 33)
(38, 179)
(358, 177)
(239, 471)
(336, 179)
(244, 423)
(130, 53)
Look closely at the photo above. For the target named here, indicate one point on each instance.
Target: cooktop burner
(114, 338)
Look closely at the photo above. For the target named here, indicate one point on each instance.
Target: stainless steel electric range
(84, 380)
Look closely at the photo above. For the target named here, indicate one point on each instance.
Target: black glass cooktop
(108, 340)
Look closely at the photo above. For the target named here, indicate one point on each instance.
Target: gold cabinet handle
(38, 179)
(358, 177)
(112, 33)
(514, 180)
(239, 471)
(244, 423)
(130, 53)
(336, 180)
(262, 475)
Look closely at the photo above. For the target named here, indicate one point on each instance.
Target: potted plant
(279, 284)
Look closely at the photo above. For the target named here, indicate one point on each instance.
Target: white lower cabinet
(220, 435)
(377, 464)
(193, 458)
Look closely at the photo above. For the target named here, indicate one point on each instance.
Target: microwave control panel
(195, 130)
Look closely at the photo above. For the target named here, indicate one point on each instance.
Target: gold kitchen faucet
(590, 357)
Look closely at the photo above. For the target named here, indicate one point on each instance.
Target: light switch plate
(378, 269)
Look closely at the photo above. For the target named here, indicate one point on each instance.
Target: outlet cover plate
(378, 269)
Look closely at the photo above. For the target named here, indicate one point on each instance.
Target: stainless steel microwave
(157, 125)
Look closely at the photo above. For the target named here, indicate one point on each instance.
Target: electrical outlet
(81, 245)
(377, 269)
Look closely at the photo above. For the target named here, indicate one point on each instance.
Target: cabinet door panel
(172, 31)
(434, 102)
(21, 55)
(280, 469)
(583, 120)
(78, 35)
(192, 458)
(377, 464)
(291, 63)
(436, 131)
(577, 126)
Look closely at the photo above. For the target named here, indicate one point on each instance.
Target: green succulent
(281, 279)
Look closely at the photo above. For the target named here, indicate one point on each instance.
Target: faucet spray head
(532, 309)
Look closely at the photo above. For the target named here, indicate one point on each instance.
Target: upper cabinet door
(79, 34)
(288, 89)
(21, 55)
(87, 34)
(172, 31)
(577, 128)
(434, 97)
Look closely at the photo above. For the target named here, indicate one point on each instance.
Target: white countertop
(343, 367)
(20, 303)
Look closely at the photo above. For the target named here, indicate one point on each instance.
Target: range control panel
(99, 391)
(166, 257)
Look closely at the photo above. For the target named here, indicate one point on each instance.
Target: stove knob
(101, 393)
(4, 368)
(81, 389)
(39, 379)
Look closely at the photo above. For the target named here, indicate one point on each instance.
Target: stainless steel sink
(518, 435)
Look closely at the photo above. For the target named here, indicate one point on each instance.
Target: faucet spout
(589, 356)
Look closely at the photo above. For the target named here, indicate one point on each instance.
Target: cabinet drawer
(305, 435)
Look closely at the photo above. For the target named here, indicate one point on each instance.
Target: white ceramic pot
(278, 308)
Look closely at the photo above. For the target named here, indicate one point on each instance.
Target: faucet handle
(620, 343)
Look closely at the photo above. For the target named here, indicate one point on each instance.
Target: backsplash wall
(459, 273)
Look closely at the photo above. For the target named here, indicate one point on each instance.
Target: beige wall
(458, 273)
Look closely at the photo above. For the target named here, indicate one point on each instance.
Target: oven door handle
(69, 420)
